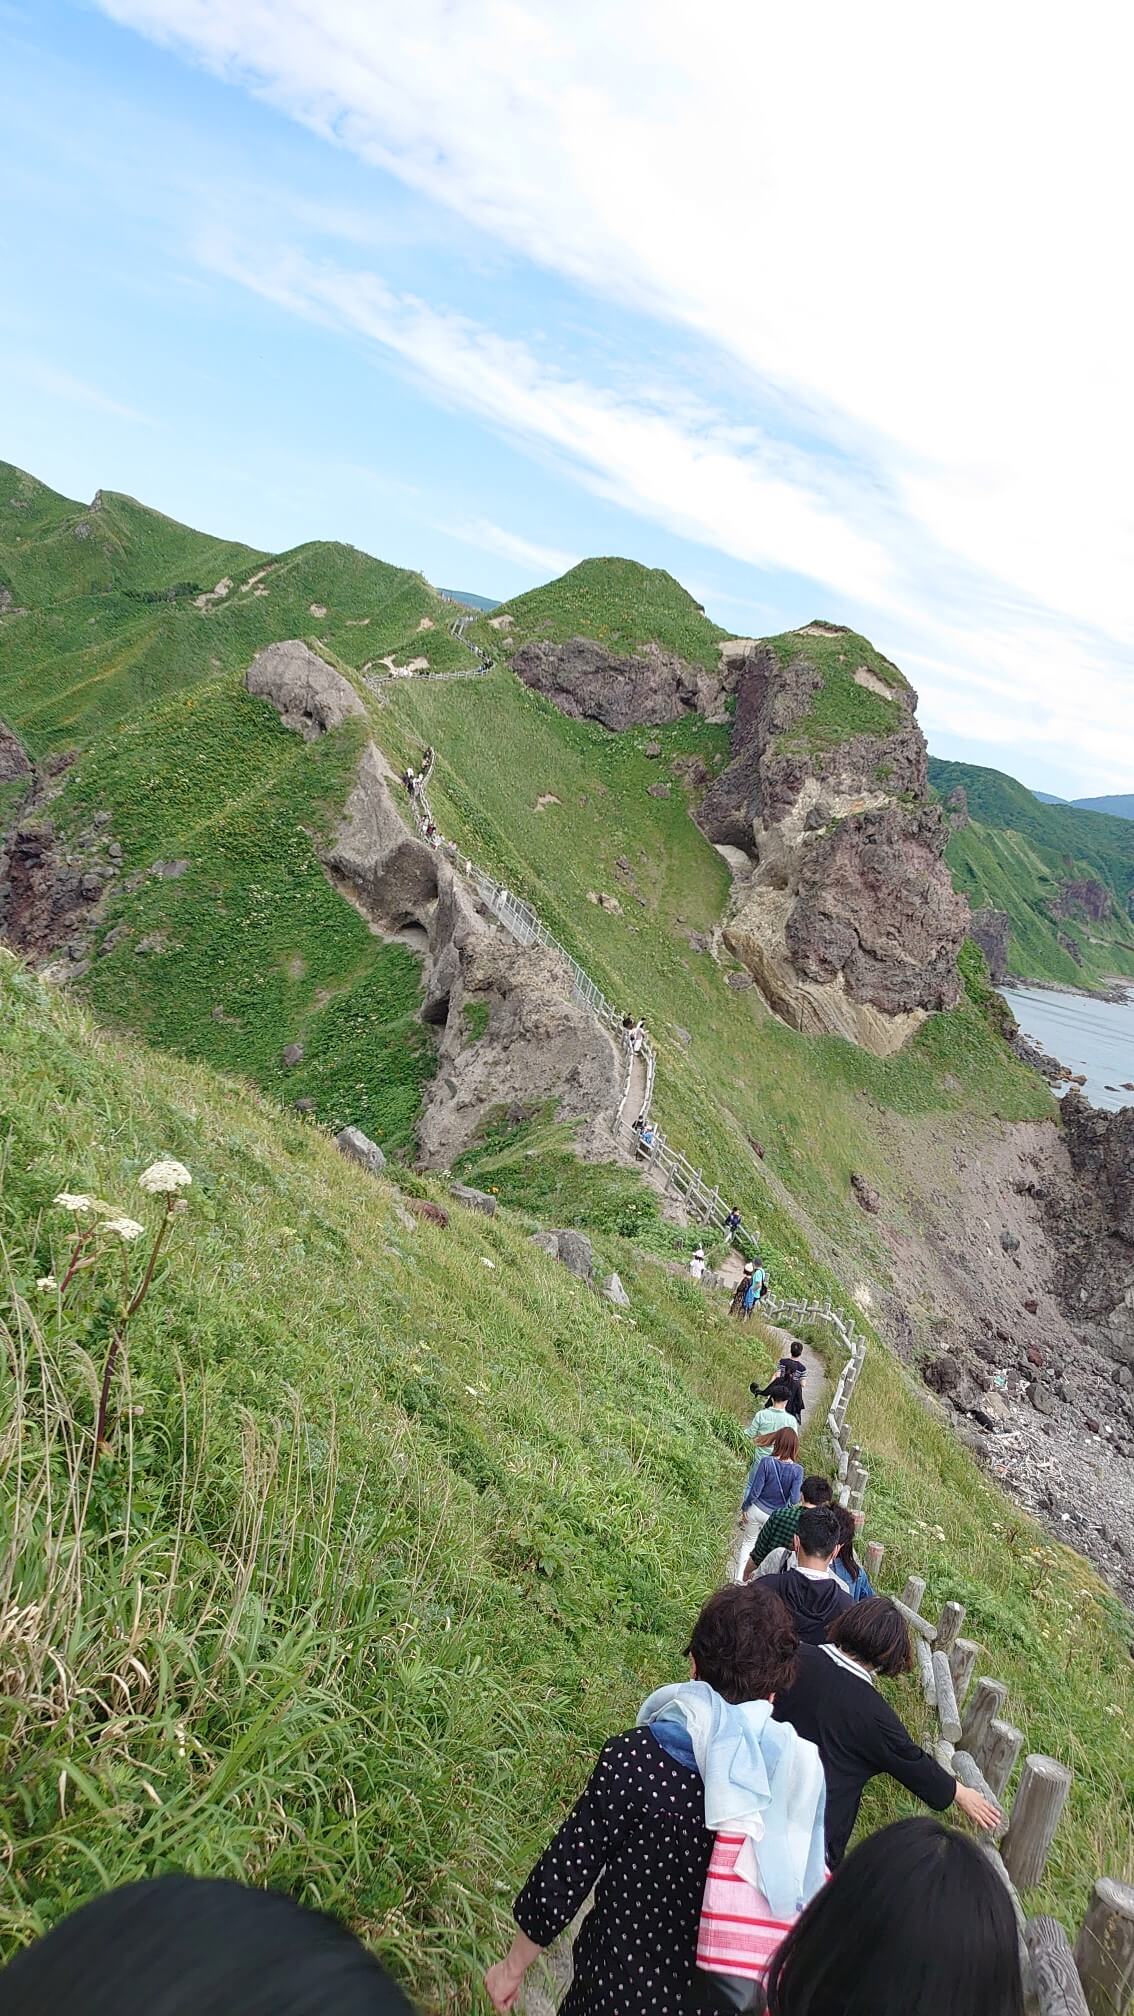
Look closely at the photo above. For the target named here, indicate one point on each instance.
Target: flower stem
(119, 1336)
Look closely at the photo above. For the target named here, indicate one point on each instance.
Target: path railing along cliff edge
(1096, 1976)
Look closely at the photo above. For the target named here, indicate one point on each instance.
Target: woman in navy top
(775, 1479)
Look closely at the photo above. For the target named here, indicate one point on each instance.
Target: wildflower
(47, 1284)
(164, 1177)
(124, 1228)
(486, 1263)
(74, 1200)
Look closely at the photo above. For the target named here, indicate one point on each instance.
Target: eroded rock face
(589, 682)
(991, 930)
(849, 923)
(535, 1044)
(13, 761)
(1092, 1222)
(307, 693)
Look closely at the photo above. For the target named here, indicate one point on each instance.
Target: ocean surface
(1095, 1037)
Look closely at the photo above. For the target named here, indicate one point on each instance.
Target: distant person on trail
(793, 1368)
(648, 1135)
(835, 1704)
(846, 1564)
(767, 1421)
(781, 1527)
(697, 1264)
(757, 1287)
(199, 1946)
(409, 780)
(643, 1832)
(637, 1038)
(736, 1306)
(917, 1919)
(732, 1222)
(813, 1594)
(774, 1481)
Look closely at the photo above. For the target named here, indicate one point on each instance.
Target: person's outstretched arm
(564, 1875)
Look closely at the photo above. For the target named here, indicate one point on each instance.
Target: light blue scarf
(761, 1779)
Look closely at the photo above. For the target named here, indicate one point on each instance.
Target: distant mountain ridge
(1118, 805)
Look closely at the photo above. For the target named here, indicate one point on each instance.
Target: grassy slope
(523, 1494)
(258, 951)
(1017, 853)
(620, 603)
(841, 707)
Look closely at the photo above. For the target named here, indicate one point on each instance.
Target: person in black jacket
(834, 1704)
(808, 1585)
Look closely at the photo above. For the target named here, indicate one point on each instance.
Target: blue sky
(822, 314)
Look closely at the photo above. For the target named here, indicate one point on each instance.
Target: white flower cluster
(75, 1200)
(124, 1228)
(164, 1178)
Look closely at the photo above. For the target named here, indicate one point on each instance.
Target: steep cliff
(1092, 1225)
(586, 680)
(849, 922)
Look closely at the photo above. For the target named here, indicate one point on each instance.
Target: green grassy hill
(1020, 855)
(619, 602)
(393, 1537)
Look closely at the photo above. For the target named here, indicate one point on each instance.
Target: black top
(814, 1605)
(640, 1829)
(858, 1736)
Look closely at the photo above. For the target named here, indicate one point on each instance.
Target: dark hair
(193, 1946)
(745, 1643)
(916, 1918)
(847, 1531)
(796, 1348)
(818, 1531)
(817, 1491)
(786, 1445)
(875, 1632)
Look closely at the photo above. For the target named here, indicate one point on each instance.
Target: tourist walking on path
(198, 1946)
(793, 1369)
(767, 1421)
(756, 1287)
(736, 1306)
(732, 1223)
(781, 1527)
(704, 1756)
(917, 1919)
(775, 1481)
(808, 1584)
(847, 1567)
(697, 1264)
(835, 1704)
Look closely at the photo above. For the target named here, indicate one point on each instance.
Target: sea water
(1087, 1035)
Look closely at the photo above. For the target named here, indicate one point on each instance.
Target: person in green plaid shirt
(779, 1528)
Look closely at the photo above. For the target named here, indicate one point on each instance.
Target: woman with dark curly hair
(705, 1756)
(916, 1919)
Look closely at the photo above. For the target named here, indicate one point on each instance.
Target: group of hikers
(714, 1834)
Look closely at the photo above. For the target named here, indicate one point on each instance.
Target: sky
(826, 310)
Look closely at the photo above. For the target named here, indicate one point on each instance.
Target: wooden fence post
(875, 1549)
(962, 1665)
(1040, 1799)
(947, 1715)
(987, 1701)
(925, 1670)
(913, 1592)
(1002, 1746)
(1104, 1950)
(948, 1625)
(1055, 1984)
(969, 1773)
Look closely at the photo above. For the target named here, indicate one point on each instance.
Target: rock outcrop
(13, 760)
(849, 922)
(306, 692)
(991, 930)
(1092, 1225)
(589, 682)
(536, 1044)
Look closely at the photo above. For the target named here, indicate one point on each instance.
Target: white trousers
(749, 1527)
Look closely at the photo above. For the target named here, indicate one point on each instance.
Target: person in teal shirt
(767, 1421)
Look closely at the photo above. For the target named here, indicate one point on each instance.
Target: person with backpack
(774, 1480)
(644, 1835)
(756, 1289)
(794, 1369)
(814, 1596)
(736, 1306)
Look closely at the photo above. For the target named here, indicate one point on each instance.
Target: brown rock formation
(991, 930)
(13, 761)
(1092, 1223)
(306, 692)
(588, 682)
(1085, 898)
(850, 923)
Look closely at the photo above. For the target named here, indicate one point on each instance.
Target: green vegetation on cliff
(1065, 877)
(844, 705)
(620, 603)
(392, 1538)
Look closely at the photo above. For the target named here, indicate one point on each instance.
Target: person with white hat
(697, 1264)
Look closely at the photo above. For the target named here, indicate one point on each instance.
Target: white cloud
(39, 376)
(485, 537)
(906, 226)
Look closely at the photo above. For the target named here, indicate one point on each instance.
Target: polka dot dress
(639, 1832)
